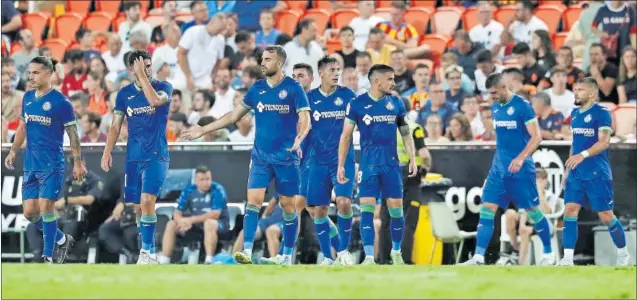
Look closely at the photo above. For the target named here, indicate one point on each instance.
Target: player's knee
(571, 210)
(394, 202)
(299, 203)
(526, 231)
(320, 212)
(171, 226)
(343, 204)
(606, 216)
(511, 215)
(46, 206)
(491, 206)
(31, 213)
(210, 225)
(273, 231)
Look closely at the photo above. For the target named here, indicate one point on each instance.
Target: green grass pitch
(302, 282)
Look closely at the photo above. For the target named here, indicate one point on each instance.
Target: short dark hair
(267, 11)
(208, 96)
(484, 56)
(206, 120)
(241, 37)
(254, 72)
(546, 99)
(558, 69)
(346, 28)
(493, 80)
(130, 4)
(178, 93)
(194, 3)
(326, 60)
(514, 71)
(397, 51)
(379, 69)
(527, 4)
(280, 52)
(94, 118)
(136, 54)
(521, 49)
(48, 63)
(202, 169)
(376, 30)
(399, 4)
(305, 24)
(363, 54)
(74, 55)
(305, 66)
(283, 39)
(567, 48)
(421, 66)
(588, 80)
(435, 82)
(601, 47)
(125, 57)
(179, 117)
(44, 49)
(462, 35)
(241, 90)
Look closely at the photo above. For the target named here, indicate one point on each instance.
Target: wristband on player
(66, 200)
(585, 153)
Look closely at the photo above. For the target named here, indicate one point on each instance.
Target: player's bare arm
(601, 145)
(536, 138)
(343, 149)
(20, 136)
(303, 129)
(408, 140)
(154, 98)
(79, 170)
(111, 139)
(566, 170)
(232, 117)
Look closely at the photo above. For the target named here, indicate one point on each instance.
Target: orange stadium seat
(36, 22)
(100, 41)
(184, 17)
(383, 3)
(423, 3)
(109, 6)
(286, 21)
(98, 21)
(57, 46)
(437, 42)
(80, 7)
(333, 45)
(551, 15)
(121, 18)
(445, 20)
(570, 16)
(383, 13)
(452, 3)
(66, 25)
(157, 11)
(323, 4)
(558, 40)
(505, 14)
(418, 17)
(154, 20)
(470, 19)
(626, 116)
(342, 17)
(297, 4)
(158, 3)
(73, 46)
(320, 16)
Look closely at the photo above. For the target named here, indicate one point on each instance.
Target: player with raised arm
(46, 114)
(145, 103)
(282, 122)
(378, 116)
(512, 173)
(588, 179)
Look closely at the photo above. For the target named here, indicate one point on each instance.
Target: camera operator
(119, 233)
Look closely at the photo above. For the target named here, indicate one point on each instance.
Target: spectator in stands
(304, 74)
(418, 95)
(487, 120)
(133, 23)
(11, 21)
(466, 51)
(562, 99)
(11, 99)
(8, 66)
(455, 95)
(270, 225)
(168, 54)
(488, 31)
(139, 41)
(604, 72)
(449, 59)
(91, 129)
(400, 34)
(239, 95)
(203, 100)
(379, 50)
(363, 65)
(619, 27)
(27, 52)
(202, 212)
(471, 110)
(304, 49)
(74, 81)
(85, 38)
(524, 24)
(114, 58)
(549, 119)
(364, 23)
(513, 79)
(202, 43)
(98, 65)
(267, 35)
(348, 52)
(437, 105)
(98, 94)
(433, 126)
(350, 80)
(246, 48)
(627, 82)
(199, 11)
(5, 131)
(250, 75)
(215, 7)
(531, 70)
(79, 101)
(224, 94)
(244, 133)
(169, 9)
(250, 12)
(485, 67)
(160, 70)
(565, 61)
(459, 129)
(177, 123)
(402, 74)
(220, 135)
(175, 103)
(582, 36)
(543, 49)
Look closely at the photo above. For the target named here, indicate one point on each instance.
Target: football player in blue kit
(588, 179)
(512, 173)
(46, 114)
(282, 120)
(378, 117)
(145, 103)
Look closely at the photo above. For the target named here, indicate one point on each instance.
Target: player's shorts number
(359, 177)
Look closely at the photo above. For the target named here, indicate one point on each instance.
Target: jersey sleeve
(527, 114)
(351, 115)
(300, 98)
(219, 198)
(248, 100)
(120, 104)
(400, 104)
(605, 120)
(67, 116)
(165, 88)
(182, 202)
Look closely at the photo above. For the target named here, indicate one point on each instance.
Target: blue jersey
(586, 126)
(146, 124)
(377, 122)
(510, 122)
(45, 118)
(194, 203)
(328, 116)
(276, 111)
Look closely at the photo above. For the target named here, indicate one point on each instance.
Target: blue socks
(147, 230)
(344, 223)
(616, 231)
(38, 225)
(569, 237)
(485, 230)
(542, 228)
(335, 240)
(397, 225)
(250, 226)
(281, 247)
(322, 227)
(367, 228)
(290, 227)
(49, 233)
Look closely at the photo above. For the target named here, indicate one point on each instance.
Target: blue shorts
(304, 169)
(501, 190)
(286, 177)
(380, 180)
(323, 179)
(144, 177)
(594, 194)
(42, 184)
(276, 218)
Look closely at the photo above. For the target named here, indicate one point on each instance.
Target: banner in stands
(467, 168)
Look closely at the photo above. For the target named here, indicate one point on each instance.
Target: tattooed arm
(79, 170)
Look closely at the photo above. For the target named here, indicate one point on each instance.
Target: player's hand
(79, 170)
(194, 132)
(516, 164)
(139, 68)
(59, 205)
(107, 161)
(296, 147)
(185, 225)
(8, 162)
(340, 175)
(413, 169)
(564, 176)
(574, 161)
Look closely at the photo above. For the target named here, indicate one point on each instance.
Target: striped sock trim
(333, 230)
(346, 216)
(612, 222)
(570, 218)
(321, 220)
(535, 215)
(367, 208)
(139, 222)
(252, 208)
(48, 218)
(149, 218)
(289, 216)
(486, 213)
(396, 212)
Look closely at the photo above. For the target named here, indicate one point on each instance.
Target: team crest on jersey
(510, 111)
(389, 106)
(588, 118)
(283, 94)
(367, 119)
(316, 115)
(338, 101)
(46, 106)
